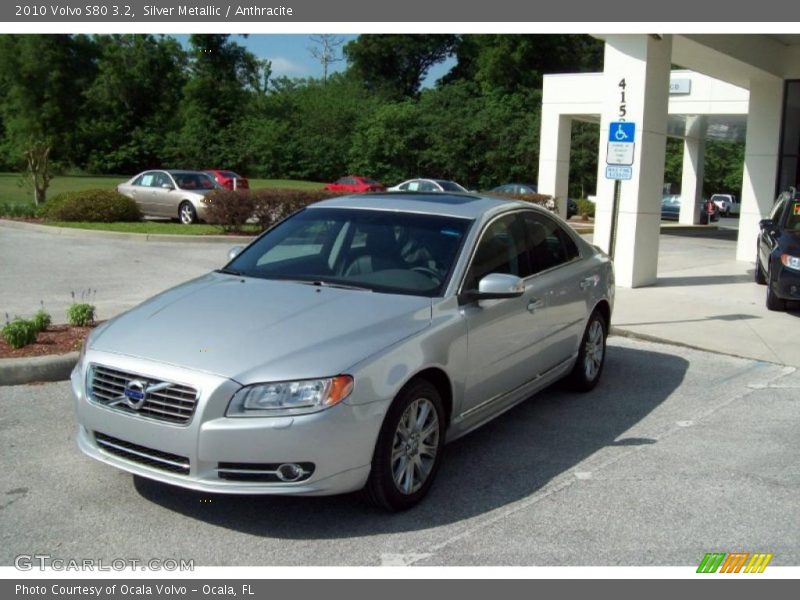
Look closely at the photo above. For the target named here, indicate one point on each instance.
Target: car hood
(253, 330)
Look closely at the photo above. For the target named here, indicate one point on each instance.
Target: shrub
(585, 208)
(99, 206)
(13, 209)
(41, 320)
(80, 314)
(19, 333)
(272, 205)
(229, 209)
(267, 206)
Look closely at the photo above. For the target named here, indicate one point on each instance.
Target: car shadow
(505, 461)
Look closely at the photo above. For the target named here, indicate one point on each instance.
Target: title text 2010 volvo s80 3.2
(341, 349)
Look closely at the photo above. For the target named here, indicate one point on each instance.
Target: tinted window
(193, 181)
(450, 186)
(777, 211)
(501, 250)
(382, 251)
(547, 243)
(793, 216)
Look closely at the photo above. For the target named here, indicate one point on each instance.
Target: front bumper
(339, 441)
(786, 282)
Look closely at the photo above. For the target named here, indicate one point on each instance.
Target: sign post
(619, 167)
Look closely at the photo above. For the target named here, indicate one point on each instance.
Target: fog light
(290, 472)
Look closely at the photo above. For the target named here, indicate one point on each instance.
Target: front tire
(773, 301)
(591, 356)
(759, 276)
(186, 213)
(409, 448)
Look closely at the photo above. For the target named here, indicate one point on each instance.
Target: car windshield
(193, 181)
(793, 217)
(450, 186)
(380, 251)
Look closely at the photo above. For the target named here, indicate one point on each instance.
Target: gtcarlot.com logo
(736, 562)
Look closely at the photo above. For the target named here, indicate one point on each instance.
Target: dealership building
(727, 87)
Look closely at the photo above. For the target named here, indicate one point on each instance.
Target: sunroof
(441, 198)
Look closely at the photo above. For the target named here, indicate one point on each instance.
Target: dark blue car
(778, 252)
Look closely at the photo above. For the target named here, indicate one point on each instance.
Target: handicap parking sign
(621, 132)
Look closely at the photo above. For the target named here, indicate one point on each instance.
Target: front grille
(263, 472)
(170, 402)
(142, 455)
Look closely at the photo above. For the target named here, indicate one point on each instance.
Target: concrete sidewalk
(706, 299)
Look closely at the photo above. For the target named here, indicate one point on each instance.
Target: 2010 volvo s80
(342, 348)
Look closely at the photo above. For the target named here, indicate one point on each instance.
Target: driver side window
(500, 250)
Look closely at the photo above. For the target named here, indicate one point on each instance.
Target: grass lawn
(151, 227)
(13, 192)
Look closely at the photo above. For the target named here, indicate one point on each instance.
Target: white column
(692, 177)
(554, 150)
(644, 62)
(760, 161)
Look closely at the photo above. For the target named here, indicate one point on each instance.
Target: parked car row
(671, 209)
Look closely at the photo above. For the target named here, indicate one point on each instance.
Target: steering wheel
(434, 275)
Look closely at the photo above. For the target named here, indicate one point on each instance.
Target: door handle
(534, 304)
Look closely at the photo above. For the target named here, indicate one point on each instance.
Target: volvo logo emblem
(135, 393)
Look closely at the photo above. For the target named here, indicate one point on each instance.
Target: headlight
(790, 262)
(284, 398)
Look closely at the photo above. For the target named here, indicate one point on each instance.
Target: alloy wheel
(415, 445)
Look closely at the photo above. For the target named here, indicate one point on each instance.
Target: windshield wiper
(341, 286)
(230, 272)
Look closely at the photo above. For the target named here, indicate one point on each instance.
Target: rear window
(230, 175)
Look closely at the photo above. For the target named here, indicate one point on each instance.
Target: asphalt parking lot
(677, 453)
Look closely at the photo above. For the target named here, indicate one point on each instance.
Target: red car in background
(355, 183)
(226, 179)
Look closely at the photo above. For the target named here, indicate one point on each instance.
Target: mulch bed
(56, 339)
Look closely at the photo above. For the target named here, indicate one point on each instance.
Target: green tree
(508, 62)
(42, 78)
(223, 76)
(395, 65)
(133, 102)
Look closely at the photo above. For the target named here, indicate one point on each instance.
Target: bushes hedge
(232, 209)
(99, 206)
(585, 208)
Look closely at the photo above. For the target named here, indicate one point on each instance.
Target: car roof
(465, 206)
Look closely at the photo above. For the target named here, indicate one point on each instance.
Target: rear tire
(409, 448)
(773, 302)
(591, 356)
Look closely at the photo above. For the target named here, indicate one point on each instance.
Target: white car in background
(728, 204)
(429, 185)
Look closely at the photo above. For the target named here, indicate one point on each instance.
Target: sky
(290, 55)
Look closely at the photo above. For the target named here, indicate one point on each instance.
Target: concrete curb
(119, 235)
(19, 371)
(645, 337)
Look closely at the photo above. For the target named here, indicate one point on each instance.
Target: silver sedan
(173, 194)
(341, 349)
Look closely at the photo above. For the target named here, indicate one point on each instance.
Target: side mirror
(234, 252)
(496, 286)
(766, 224)
(167, 186)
